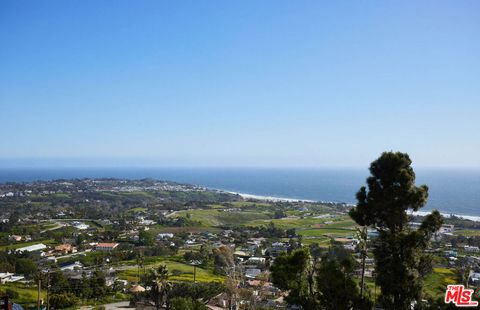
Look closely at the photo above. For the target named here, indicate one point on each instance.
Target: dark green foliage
(202, 257)
(12, 294)
(400, 260)
(58, 282)
(63, 300)
(180, 303)
(25, 266)
(326, 285)
(145, 238)
(203, 291)
(337, 289)
(278, 214)
(289, 272)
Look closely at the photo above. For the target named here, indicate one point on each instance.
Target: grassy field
(217, 217)
(189, 229)
(178, 272)
(327, 232)
(27, 293)
(436, 283)
(306, 223)
(467, 232)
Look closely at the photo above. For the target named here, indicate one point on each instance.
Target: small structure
(256, 260)
(80, 225)
(472, 249)
(252, 273)
(446, 229)
(6, 277)
(163, 236)
(71, 266)
(65, 248)
(106, 246)
(277, 248)
(15, 238)
(136, 289)
(32, 248)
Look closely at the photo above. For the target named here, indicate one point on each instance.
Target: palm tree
(160, 286)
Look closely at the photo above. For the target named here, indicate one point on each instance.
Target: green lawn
(178, 272)
(330, 232)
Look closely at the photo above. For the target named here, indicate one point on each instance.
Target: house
(446, 229)
(15, 238)
(71, 266)
(145, 222)
(9, 277)
(252, 273)
(32, 248)
(474, 278)
(79, 225)
(4, 276)
(277, 248)
(256, 260)
(106, 246)
(163, 236)
(472, 249)
(65, 248)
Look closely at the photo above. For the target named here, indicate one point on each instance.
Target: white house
(32, 248)
(472, 249)
(71, 266)
(164, 236)
(9, 277)
(256, 260)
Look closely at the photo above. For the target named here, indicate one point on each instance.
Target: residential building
(106, 246)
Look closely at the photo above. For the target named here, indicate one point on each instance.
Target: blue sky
(245, 83)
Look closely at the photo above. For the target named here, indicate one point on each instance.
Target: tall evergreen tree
(401, 262)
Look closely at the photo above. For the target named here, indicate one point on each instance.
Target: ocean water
(451, 191)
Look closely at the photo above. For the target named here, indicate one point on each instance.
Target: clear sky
(238, 83)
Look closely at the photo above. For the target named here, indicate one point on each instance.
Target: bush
(64, 300)
(176, 272)
(12, 294)
(180, 303)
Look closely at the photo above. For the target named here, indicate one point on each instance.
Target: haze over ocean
(451, 190)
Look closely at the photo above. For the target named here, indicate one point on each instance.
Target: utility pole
(48, 289)
(5, 302)
(39, 291)
(195, 263)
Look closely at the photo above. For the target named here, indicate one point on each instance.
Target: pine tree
(401, 262)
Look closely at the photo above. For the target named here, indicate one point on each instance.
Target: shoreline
(285, 199)
(447, 215)
(268, 198)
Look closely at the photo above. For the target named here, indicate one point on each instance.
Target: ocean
(451, 191)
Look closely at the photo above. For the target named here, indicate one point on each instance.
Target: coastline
(447, 215)
(285, 199)
(268, 198)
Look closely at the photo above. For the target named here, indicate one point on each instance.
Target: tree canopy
(399, 254)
